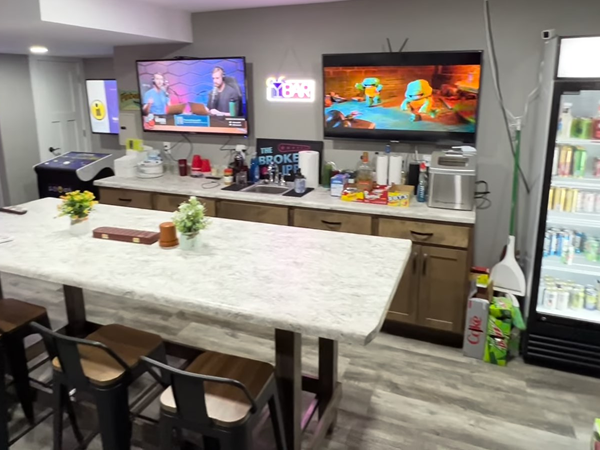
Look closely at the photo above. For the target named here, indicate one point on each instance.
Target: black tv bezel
(469, 57)
(246, 116)
(87, 96)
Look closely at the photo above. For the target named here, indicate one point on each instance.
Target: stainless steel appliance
(452, 180)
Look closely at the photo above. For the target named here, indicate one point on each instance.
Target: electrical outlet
(166, 146)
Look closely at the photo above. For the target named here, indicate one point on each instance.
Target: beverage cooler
(564, 297)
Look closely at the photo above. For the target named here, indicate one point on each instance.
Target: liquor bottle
(596, 125)
(423, 184)
(364, 174)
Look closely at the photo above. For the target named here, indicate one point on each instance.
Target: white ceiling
(220, 5)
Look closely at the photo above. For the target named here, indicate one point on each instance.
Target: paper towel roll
(382, 169)
(308, 162)
(395, 174)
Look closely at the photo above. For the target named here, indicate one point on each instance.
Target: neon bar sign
(282, 90)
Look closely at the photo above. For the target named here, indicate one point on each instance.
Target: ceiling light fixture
(38, 49)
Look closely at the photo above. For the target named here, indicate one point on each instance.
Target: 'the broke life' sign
(282, 90)
(284, 153)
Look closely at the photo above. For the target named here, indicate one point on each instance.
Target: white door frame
(36, 88)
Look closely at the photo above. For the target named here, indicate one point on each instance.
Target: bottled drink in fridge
(565, 121)
(596, 125)
(423, 184)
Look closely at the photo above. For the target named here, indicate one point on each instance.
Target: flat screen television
(406, 97)
(103, 106)
(206, 96)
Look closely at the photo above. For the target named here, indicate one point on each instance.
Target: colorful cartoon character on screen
(372, 88)
(418, 97)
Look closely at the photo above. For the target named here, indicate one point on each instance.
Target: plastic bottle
(423, 184)
(299, 183)
(565, 121)
(254, 171)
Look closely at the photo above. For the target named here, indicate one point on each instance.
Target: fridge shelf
(574, 141)
(582, 314)
(580, 265)
(578, 183)
(575, 220)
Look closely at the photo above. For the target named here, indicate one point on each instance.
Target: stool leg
(57, 400)
(3, 406)
(277, 420)
(166, 434)
(113, 415)
(71, 414)
(211, 443)
(17, 359)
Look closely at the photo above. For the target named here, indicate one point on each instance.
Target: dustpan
(507, 275)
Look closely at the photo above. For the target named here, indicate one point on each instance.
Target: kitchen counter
(336, 286)
(318, 199)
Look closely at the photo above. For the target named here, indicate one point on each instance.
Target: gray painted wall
(290, 40)
(99, 69)
(19, 134)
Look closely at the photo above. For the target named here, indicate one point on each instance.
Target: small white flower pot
(80, 227)
(188, 242)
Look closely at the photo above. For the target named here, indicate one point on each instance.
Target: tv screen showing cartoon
(103, 106)
(194, 95)
(419, 97)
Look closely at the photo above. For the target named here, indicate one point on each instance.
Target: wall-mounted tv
(103, 106)
(407, 97)
(194, 95)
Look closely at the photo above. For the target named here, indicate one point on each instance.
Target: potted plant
(190, 219)
(78, 206)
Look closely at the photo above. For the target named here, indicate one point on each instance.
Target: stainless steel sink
(267, 189)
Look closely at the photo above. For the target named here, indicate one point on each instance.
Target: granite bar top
(318, 199)
(320, 283)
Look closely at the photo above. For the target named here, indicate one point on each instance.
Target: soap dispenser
(299, 183)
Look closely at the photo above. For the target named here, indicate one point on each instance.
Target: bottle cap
(423, 166)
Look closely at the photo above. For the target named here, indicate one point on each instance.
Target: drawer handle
(127, 200)
(425, 256)
(423, 236)
(414, 263)
(332, 224)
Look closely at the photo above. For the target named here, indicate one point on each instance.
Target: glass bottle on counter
(364, 174)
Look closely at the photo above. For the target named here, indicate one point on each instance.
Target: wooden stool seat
(127, 343)
(226, 405)
(15, 314)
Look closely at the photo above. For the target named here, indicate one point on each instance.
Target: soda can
(550, 298)
(578, 241)
(580, 202)
(591, 298)
(559, 199)
(573, 207)
(589, 203)
(577, 298)
(562, 161)
(591, 249)
(597, 167)
(563, 299)
(579, 163)
(569, 200)
(568, 254)
(551, 199)
(567, 169)
(597, 204)
(547, 242)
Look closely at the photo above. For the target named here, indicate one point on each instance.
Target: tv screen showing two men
(197, 96)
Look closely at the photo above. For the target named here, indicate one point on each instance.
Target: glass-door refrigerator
(564, 303)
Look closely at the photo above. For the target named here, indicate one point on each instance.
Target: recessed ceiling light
(38, 49)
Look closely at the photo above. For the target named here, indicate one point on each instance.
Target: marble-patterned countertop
(318, 199)
(319, 283)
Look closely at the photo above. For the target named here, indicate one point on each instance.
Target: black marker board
(285, 153)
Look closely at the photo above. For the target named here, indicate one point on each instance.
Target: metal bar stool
(219, 396)
(15, 318)
(104, 365)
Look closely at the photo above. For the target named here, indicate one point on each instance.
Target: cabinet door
(169, 203)
(404, 303)
(251, 212)
(443, 288)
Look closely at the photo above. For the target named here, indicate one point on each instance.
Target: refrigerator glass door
(569, 285)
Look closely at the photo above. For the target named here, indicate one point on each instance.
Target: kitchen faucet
(273, 171)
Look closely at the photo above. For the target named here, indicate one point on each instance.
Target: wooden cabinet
(332, 221)
(404, 304)
(125, 197)
(169, 203)
(442, 288)
(251, 212)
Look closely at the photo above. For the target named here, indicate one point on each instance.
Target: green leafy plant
(190, 217)
(77, 205)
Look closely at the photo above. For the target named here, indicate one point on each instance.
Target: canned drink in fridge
(589, 203)
(597, 203)
(591, 299)
(579, 163)
(577, 298)
(579, 203)
(547, 242)
(567, 161)
(569, 200)
(555, 160)
(551, 199)
(597, 167)
(559, 199)
(578, 241)
(568, 254)
(591, 249)
(562, 161)
(563, 299)
(573, 207)
(550, 298)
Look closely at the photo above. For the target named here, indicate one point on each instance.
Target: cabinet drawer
(277, 215)
(169, 203)
(125, 197)
(425, 232)
(332, 221)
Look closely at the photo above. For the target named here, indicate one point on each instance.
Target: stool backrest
(66, 349)
(189, 391)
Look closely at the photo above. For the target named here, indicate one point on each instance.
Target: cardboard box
(394, 195)
(338, 182)
(400, 195)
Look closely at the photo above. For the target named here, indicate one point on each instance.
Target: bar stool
(219, 396)
(104, 365)
(15, 318)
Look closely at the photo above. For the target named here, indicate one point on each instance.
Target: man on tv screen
(156, 99)
(226, 96)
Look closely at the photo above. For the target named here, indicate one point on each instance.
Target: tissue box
(337, 184)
